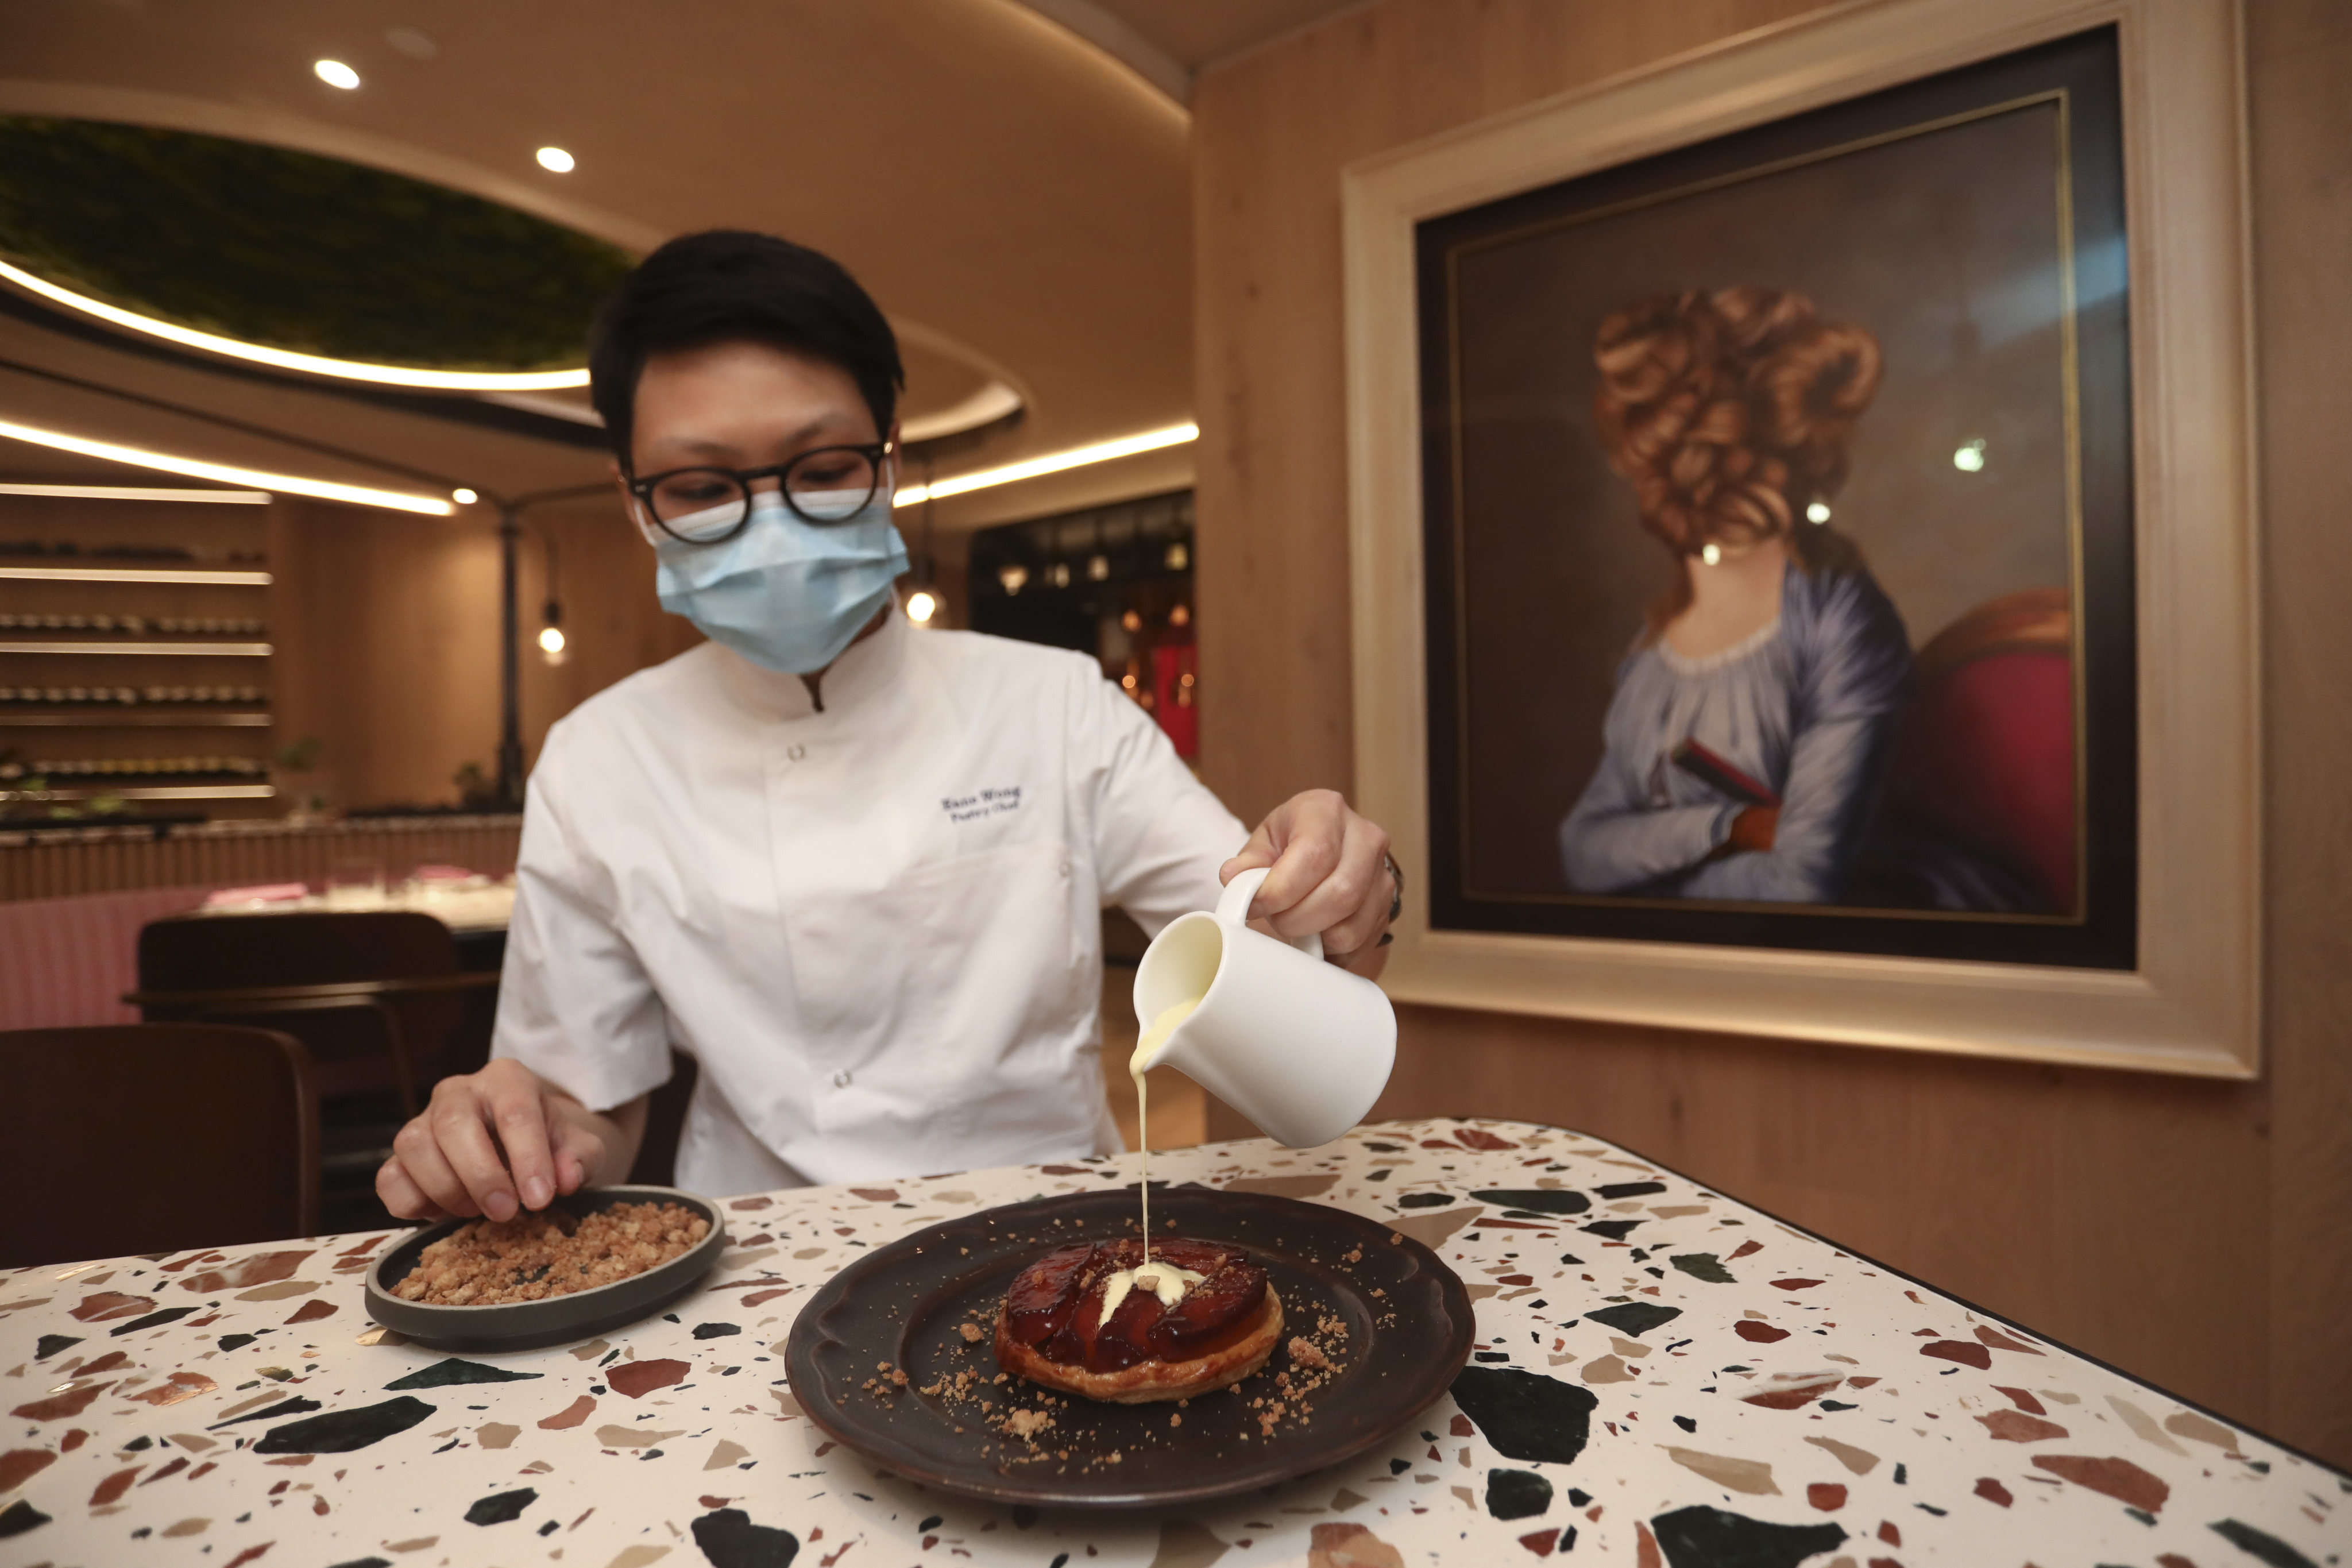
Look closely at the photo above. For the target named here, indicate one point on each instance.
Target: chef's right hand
(446, 1161)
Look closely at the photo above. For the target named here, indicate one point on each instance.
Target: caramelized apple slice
(1043, 1294)
(1074, 1340)
(1056, 1304)
(1203, 1258)
(1217, 1303)
(1124, 1341)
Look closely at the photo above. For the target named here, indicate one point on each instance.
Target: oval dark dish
(527, 1325)
(1407, 1317)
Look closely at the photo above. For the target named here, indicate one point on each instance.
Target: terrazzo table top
(1663, 1378)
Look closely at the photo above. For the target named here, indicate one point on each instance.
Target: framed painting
(1815, 473)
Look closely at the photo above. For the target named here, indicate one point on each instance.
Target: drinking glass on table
(355, 883)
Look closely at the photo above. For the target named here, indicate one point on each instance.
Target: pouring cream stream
(1162, 1280)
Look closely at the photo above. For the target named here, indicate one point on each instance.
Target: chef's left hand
(1329, 876)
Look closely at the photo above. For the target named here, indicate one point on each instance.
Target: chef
(854, 869)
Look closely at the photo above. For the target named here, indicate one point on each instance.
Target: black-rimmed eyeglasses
(709, 506)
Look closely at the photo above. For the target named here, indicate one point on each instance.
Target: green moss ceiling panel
(296, 251)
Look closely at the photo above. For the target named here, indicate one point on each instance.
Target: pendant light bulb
(551, 640)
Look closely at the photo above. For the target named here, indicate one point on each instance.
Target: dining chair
(381, 998)
(657, 1162)
(143, 1138)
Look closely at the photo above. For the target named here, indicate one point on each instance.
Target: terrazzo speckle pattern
(1663, 1378)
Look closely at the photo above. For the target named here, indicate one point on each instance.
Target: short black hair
(727, 284)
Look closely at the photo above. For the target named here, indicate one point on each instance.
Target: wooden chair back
(136, 1137)
(378, 997)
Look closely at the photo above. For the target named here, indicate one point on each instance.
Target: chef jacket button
(797, 752)
(1065, 869)
(841, 1079)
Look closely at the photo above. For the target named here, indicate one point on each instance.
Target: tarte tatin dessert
(1101, 1321)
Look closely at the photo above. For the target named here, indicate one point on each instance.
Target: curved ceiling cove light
(1051, 463)
(198, 468)
(296, 261)
(316, 364)
(138, 492)
(992, 401)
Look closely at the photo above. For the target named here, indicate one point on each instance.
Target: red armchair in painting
(1987, 761)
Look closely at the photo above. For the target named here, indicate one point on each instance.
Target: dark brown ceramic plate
(527, 1325)
(903, 1304)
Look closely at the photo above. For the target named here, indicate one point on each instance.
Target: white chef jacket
(876, 927)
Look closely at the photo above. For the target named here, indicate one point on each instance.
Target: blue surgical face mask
(784, 593)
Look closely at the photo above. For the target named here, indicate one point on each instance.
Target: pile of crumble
(552, 1253)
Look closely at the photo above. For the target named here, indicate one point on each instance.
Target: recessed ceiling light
(464, 496)
(555, 160)
(335, 73)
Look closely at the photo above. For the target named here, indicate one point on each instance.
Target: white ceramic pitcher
(1300, 1046)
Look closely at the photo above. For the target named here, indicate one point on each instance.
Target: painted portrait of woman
(1747, 740)
(1769, 602)
(1754, 715)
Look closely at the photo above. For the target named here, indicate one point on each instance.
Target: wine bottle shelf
(99, 622)
(125, 553)
(75, 771)
(129, 696)
(104, 624)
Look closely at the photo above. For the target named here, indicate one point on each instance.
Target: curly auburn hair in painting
(1729, 409)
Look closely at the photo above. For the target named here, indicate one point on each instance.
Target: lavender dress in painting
(1809, 705)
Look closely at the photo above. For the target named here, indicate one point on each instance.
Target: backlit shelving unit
(225, 581)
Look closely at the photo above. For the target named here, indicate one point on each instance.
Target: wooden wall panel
(2299, 59)
(613, 623)
(2199, 1234)
(387, 648)
(388, 637)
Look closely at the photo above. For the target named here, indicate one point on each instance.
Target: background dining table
(1662, 1377)
(476, 908)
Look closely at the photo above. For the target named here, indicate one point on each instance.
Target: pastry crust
(1151, 1378)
